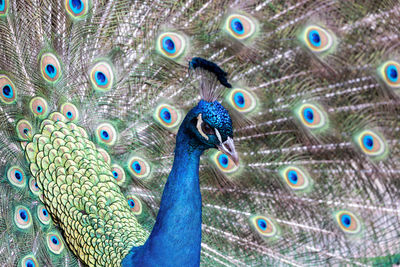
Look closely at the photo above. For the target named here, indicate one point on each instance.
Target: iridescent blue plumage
(101, 79)
(76, 5)
(176, 237)
(368, 142)
(51, 70)
(392, 73)
(315, 38)
(217, 116)
(309, 115)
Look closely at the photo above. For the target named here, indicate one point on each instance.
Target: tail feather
(314, 100)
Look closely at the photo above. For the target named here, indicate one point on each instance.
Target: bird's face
(211, 124)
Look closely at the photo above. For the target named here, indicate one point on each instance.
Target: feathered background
(314, 102)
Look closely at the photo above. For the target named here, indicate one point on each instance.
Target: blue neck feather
(176, 237)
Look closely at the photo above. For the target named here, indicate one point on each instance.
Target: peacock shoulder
(81, 193)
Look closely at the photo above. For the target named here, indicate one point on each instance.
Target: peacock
(199, 133)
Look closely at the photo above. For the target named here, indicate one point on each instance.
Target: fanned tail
(315, 102)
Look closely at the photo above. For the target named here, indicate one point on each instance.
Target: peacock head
(210, 125)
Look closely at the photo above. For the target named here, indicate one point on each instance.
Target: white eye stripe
(218, 135)
(198, 126)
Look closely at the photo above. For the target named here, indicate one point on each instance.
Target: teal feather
(279, 70)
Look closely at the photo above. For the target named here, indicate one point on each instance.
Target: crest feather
(211, 78)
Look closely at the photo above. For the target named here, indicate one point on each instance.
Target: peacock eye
(171, 45)
(240, 26)
(3, 7)
(55, 243)
(207, 129)
(348, 222)
(8, 94)
(77, 9)
(50, 67)
(389, 73)
(29, 261)
(372, 144)
(317, 39)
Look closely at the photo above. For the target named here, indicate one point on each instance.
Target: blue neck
(176, 237)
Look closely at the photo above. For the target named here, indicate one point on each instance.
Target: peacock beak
(228, 148)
